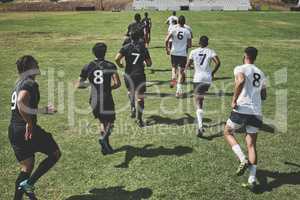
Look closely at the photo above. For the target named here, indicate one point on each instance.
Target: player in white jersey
(203, 75)
(172, 18)
(250, 90)
(181, 41)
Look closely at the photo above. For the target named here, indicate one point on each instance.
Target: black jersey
(135, 54)
(99, 73)
(32, 87)
(136, 26)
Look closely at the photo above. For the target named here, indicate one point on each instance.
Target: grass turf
(164, 160)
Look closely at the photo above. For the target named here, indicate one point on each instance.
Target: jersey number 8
(256, 80)
(98, 77)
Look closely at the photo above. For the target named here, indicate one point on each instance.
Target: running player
(135, 54)
(181, 41)
(137, 26)
(25, 135)
(172, 18)
(148, 25)
(103, 78)
(202, 57)
(250, 90)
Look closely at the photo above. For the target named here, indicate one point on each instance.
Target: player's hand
(168, 51)
(80, 85)
(28, 133)
(234, 105)
(50, 109)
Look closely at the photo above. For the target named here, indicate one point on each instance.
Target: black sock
(132, 100)
(141, 107)
(44, 167)
(18, 193)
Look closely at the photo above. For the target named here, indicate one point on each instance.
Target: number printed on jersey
(137, 56)
(256, 79)
(202, 58)
(14, 97)
(98, 77)
(180, 35)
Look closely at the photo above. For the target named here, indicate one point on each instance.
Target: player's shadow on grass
(222, 78)
(114, 193)
(188, 119)
(146, 152)
(278, 179)
(153, 71)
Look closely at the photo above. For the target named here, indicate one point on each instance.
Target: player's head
(203, 41)
(99, 50)
(137, 17)
(134, 35)
(174, 21)
(28, 66)
(174, 13)
(146, 14)
(250, 54)
(181, 20)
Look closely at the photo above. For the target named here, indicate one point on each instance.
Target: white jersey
(202, 58)
(171, 19)
(190, 29)
(249, 101)
(180, 37)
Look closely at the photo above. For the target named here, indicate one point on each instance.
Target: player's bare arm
(217, 63)
(188, 64)
(118, 60)
(23, 105)
(167, 43)
(263, 93)
(239, 84)
(116, 83)
(189, 43)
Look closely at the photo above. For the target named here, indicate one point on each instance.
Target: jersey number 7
(137, 56)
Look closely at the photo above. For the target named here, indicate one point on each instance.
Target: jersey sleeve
(264, 81)
(213, 53)
(238, 70)
(30, 86)
(123, 50)
(85, 72)
(189, 36)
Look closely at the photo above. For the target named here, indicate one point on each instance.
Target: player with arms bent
(104, 78)
(136, 54)
(202, 57)
(26, 137)
(181, 41)
(250, 90)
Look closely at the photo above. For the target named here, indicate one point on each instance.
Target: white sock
(239, 153)
(252, 174)
(199, 113)
(179, 87)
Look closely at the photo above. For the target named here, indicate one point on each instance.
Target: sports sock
(43, 167)
(239, 153)
(252, 174)
(199, 113)
(179, 87)
(132, 100)
(18, 193)
(141, 107)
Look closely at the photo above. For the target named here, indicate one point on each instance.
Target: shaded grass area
(62, 42)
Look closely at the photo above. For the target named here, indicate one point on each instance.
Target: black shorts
(201, 88)
(178, 61)
(41, 141)
(246, 120)
(105, 113)
(136, 83)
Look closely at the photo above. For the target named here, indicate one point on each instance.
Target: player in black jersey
(147, 28)
(135, 54)
(26, 137)
(103, 77)
(137, 26)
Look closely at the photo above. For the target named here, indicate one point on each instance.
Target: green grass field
(165, 159)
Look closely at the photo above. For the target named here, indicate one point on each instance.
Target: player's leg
(105, 132)
(181, 62)
(131, 95)
(27, 166)
(141, 106)
(174, 72)
(230, 127)
(43, 142)
(251, 139)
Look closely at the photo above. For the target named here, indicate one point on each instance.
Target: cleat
(27, 189)
(250, 186)
(133, 112)
(179, 94)
(242, 168)
(200, 132)
(105, 149)
(173, 83)
(140, 123)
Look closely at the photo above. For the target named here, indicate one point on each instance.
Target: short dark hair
(99, 50)
(146, 14)
(181, 20)
(203, 40)
(135, 35)
(25, 63)
(137, 17)
(251, 52)
(174, 21)
(174, 12)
